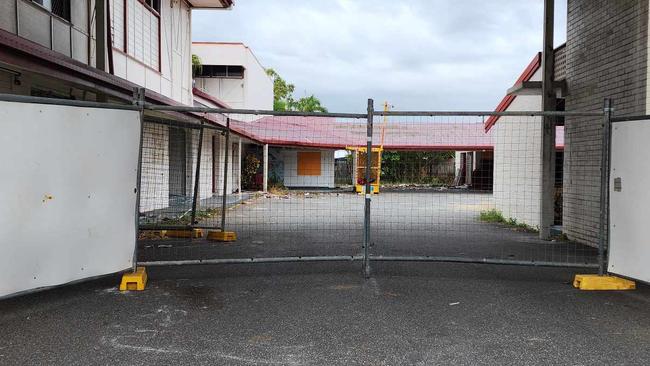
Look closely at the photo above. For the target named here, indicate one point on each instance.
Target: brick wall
(606, 56)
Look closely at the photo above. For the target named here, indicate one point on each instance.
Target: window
(153, 4)
(309, 163)
(221, 71)
(136, 30)
(60, 8)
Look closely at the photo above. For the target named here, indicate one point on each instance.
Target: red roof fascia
(200, 93)
(528, 73)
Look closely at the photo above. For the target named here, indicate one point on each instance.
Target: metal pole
(547, 196)
(265, 168)
(225, 176)
(239, 150)
(603, 240)
(368, 191)
(196, 178)
(139, 100)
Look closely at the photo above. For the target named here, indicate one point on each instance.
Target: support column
(265, 178)
(547, 184)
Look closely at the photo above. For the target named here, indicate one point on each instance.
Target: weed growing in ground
(495, 216)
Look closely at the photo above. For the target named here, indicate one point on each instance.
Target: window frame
(40, 3)
(125, 25)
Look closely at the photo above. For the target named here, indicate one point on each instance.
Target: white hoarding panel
(67, 199)
(630, 201)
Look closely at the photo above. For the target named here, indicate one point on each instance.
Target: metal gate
(446, 187)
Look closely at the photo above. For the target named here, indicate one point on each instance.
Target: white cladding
(292, 179)
(517, 161)
(253, 91)
(67, 209)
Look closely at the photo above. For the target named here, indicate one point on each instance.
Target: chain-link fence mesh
(282, 195)
(446, 187)
(487, 207)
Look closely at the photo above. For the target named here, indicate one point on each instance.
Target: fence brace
(138, 100)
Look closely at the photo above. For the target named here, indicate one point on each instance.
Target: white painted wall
(254, 91)
(517, 161)
(292, 179)
(174, 78)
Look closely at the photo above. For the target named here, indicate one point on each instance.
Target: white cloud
(419, 54)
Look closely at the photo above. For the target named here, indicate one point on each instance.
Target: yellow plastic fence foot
(134, 281)
(222, 235)
(602, 283)
(196, 233)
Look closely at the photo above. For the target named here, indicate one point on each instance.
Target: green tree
(197, 65)
(282, 91)
(308, 104)
(283, 99)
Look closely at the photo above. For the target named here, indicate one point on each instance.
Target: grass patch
(493, 215)
(496, 217)
(278, 190)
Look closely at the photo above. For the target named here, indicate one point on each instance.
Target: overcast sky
(417, 54)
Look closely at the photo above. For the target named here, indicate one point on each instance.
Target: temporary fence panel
(67, 210)
(277, 175)
(489, 211)
(629, 252)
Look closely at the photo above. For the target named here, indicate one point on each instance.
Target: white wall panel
(292, 179)
(629, 230)
(67, 209)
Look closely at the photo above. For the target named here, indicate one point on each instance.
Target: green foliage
(283, 99)
(251, 166)
(493, 215)
(308, 104)
(282, 91)
(416, 167)
(197, 65)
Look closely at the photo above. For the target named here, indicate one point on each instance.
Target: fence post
(139, 100)
(196, 179)
(368, 191)
(603, 240)
(227, 152)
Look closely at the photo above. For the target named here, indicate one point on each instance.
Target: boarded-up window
(309, 163)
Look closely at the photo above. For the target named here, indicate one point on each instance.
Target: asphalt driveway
(327, 314)
(404, 223)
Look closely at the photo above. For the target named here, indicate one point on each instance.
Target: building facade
(231, 73)
(606, 57)
(103, 50)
